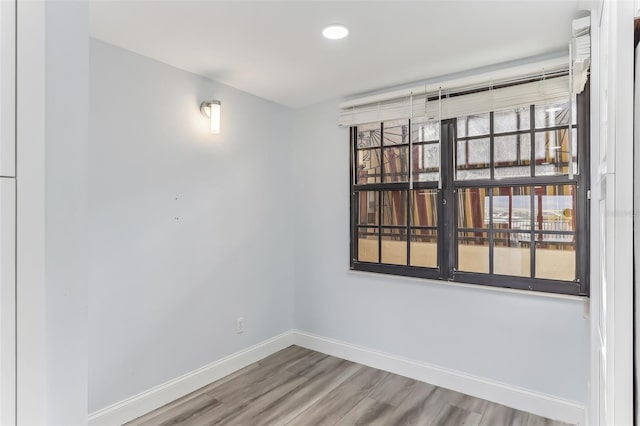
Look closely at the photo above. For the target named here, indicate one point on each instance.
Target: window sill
(584, 299)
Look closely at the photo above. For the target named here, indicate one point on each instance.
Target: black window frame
(446, 212)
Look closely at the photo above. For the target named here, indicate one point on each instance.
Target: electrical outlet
(240, 325)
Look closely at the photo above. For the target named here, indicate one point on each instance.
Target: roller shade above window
(456, 103)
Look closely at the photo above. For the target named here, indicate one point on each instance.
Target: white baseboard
(138, 405)
(522, 399)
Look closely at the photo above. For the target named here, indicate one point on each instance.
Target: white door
(7, 212)
(7, 87)
(7, 300)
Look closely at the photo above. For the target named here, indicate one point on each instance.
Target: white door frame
(611, 395)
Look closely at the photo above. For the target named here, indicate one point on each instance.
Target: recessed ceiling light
(335, 32)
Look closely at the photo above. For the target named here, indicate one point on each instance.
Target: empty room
(318, 212)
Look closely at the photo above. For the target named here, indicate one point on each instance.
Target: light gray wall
(534, 342)
(66, 206)
(164, 294)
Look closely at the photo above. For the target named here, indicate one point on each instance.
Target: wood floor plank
(210, 416)
(240, 393)
(456, 416)
(285, 408)
(284, 356)
(300, 387)
(172, 405)
(392, 389)
(421, 407)
(496, 414)
(367, 412)
(323, 366)
(336, 404)
(185, 406)
(541, 421)
(185, 415)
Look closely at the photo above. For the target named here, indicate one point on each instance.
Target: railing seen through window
(509, 211)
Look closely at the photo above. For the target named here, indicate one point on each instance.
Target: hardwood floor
(297, 386)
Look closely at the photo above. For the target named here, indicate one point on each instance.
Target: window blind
(459, 102)
(580, 49)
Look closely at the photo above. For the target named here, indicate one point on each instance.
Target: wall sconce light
(211, 110)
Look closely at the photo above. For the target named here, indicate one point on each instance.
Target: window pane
(473, 208)
(554, 208)
(367, 207)
(555, 257)
(473, 252)
(368, 245)
(512, 156)
(473, 174)
(368, 169)
(515, 171)
(473, 125)
(396, 164)
(426, 162)
(554, 114)
(473, 163)
(368, 135)
(552, 152)
(461, 152)
(512, 208)
(394, 246)
(424, 248)
(478, 151)
(395, 132)
(394, 207)
(511, 257)
(424, 207)
(423, 130)
(511, 120)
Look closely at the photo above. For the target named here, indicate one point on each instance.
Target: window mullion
(445, 209)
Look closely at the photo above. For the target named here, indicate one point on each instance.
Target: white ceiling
(275, 49)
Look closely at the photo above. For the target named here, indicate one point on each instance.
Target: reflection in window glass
(554, 207)
(512, 148)
(473, 208)
(478, 151)
(394, 246)
(511, 257)
(424, 207)
(552, 149)
(367, 208)
(473, 125)
(473, 157)
(511, 120)
(461, 152)
(555, 257)
(368, 244)
(368, 168)
(426, 162)
(473, 252)
(394, 207)
(423, 130)
(424, 248)
(368, 135)
(554, 114)
(396, 132)
(396, 164)
(506, 149)
(473, 174)
(512, 208)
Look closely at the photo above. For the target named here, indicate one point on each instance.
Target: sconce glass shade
(211, 110)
